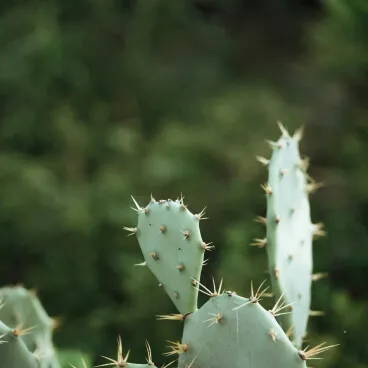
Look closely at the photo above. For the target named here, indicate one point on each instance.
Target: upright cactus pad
(232, 331)
(290, 231)
(21, 307)
(13, 351)
(173, 249)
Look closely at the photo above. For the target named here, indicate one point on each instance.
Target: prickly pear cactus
(290, 231)
(13, 351)
(173, 249)
(21, 307)
(232, 331)
(229, 330)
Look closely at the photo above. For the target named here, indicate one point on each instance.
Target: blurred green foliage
(103, 99)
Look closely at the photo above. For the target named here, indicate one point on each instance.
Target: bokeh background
(103, 99)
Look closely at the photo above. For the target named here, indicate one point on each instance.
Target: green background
(103, 99)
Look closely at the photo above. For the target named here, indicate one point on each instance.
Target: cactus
(22, 308)
(172, 246)
(290, 231)
(228, 330)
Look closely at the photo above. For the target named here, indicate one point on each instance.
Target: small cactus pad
(173, 249)
(290, 231)
(21, 307)
(232, 331)
(13, 351)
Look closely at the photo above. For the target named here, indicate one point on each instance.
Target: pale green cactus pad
(21, 307)
(232, 331)
(290, 231)
(173, 249)
(13, 351)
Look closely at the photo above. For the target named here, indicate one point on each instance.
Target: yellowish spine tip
(310, 354)
(298, 135)
(319, 276)
(303, 164)
(264, 161)
(181, 200)
(83, 362)
(273, 144)
(316, 313)
(261, 220)
(259, 243)
(283, 130)
(312, 187)
(142, 264)
(268, 295)
(290, 331)
(318, 230)
(149, 354)
(280, 307)
(199, 216)
(207, 246)
(171, 317)
(56, 322)
(131, 230)
(267, 189)
(138, 208)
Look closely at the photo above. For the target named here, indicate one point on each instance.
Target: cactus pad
(173, 249)
(290, 231)
(232, 331)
